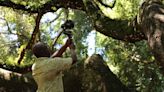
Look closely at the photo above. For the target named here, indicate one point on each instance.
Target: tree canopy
(127, 33)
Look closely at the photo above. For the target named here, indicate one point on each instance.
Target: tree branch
(9, 3)
(16, 69)
(47, 7)
(33, 37)
(152, 21)
(118, 29)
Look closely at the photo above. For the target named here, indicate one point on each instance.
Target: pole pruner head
(69, 24)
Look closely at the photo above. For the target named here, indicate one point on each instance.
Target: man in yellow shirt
(47, 70)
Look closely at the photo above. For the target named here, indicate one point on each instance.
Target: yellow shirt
(47, 73)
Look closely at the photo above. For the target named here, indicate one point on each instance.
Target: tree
(147, 24)
(150, 12)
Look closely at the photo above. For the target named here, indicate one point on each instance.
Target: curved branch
(47, 7)
(16, 69)
(56, 38)
(32, 39)
(124, 30)
(119, 29)
(9, 3)
(56, 17)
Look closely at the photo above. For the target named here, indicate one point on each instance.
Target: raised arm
(62, 49)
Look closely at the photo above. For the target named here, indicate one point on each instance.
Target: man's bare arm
(62, 49)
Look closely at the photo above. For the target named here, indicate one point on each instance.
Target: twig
(56, 17)
(60, 30)
(56, 38)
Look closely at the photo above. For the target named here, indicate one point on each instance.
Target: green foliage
(33, 4)
(123, 9)
(133, 63)
(16, 28)
(127, 8)
(82, 27)
(80, 31)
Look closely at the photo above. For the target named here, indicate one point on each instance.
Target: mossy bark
(152, 23)
(92, 75)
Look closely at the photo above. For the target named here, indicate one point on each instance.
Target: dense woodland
(126, 38)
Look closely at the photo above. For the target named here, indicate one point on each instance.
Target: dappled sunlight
(117, 43)
(114, 69)
(123, 9)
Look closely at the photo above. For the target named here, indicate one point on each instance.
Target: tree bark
(44, 8)
(16, 82)
(93, 75)
(33, 37)
(152, 23)
(125, 30)
(150, 27)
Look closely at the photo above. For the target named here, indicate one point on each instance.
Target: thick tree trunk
(152, 23)
(16, 82)
(93, 75)
(150, 26)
